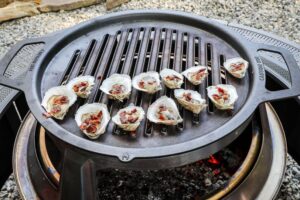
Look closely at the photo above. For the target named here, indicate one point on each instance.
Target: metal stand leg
(78, 180)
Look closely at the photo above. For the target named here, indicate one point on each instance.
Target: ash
(194, 181)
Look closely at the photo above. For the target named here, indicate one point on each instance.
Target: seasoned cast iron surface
(144, 46)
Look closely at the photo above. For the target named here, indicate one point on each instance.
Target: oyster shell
(196, 74)
(82, 85)
(237, 67)
(190, 100)
(223, 96)
(171, 78)
(117, 86)
(129, 118)
(92, 119)
(164, 111)
(58, 100)
(147, 82)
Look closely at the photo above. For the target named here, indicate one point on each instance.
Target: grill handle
(17, 83)
(294, 71)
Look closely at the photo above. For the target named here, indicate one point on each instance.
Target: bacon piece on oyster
(129, 118)
(190, 100)
(92, 119)
(57, 101)
(164, 111)
(147, 82)
(171, 78)
(196, 74)
(237, 67)
(223, 96)
(82, 85)
(117, 86)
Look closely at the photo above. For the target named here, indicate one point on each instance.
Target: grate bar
(66, 75)
(155, 50)
(167, 48)
(101, 67)
(118, 55)
(155, 65)
(87, 57)
(130, 54)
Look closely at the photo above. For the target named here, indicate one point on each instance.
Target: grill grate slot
(100, 66)
(209, 77)
(87, 57)
(70, 68)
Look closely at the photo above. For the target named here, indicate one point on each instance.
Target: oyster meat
(147, 82)
(171, 78)
(82, 85)
(196, 74)
(129, 118)
(164, 111)
(223, 96)
(190, 100)
(92, 119)
(58, 100)
(237, 67)
(117, 86)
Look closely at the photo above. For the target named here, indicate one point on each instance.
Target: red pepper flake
(221, 90)
(99, 77)
(237, 67)
(91, 124)
(187, 96)
(60, 100)
(128, 117)
(80, 86)
(117, 89)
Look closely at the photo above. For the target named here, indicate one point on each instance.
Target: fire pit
(130, 43)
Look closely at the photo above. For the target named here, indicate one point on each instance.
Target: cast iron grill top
(135, 49)
(135, 41)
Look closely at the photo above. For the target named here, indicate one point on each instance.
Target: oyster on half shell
(223, 96)
(117, 86)
(196, 74)
(129, 118)
(164, 111)
(82, 85)
(58, 100)
(171, 78)
(147, 82)
(190, 100)
(92, 119)
(237, 67)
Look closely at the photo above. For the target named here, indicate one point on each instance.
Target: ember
(213, 160)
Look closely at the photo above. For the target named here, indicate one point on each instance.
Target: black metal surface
(33, 182)
(114, 50)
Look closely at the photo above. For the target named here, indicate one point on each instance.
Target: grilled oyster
(190, 100)
(164, 111)
(82, 85)
(171, 78)
(147, 82)
(237, 67)
(58, 100)
(196, 74)
(117, 86)
(92, 119)
(129, 118)
(223, 96)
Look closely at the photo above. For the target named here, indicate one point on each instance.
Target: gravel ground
(281, 17)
